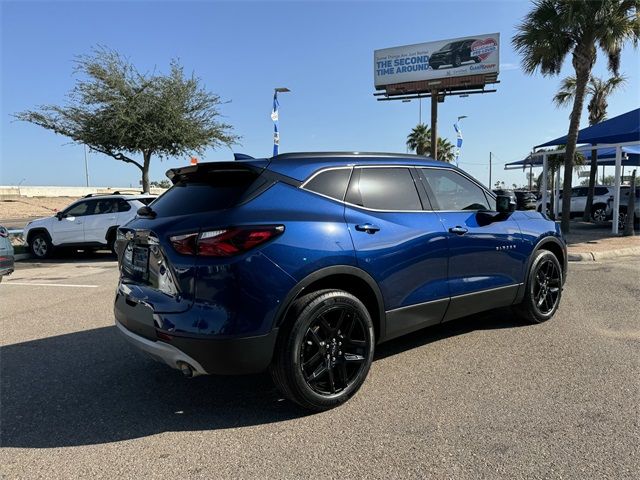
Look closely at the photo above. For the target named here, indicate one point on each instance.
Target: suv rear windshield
(215, 190)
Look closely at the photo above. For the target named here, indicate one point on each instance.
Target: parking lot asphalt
(482, 397)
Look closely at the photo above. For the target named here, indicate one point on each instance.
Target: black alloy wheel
(546, 286)
(324, 350)
(543, 289)
(334, 350)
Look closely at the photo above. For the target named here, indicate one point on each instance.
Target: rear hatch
(152, 270)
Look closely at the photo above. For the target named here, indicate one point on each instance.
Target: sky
(321, 51)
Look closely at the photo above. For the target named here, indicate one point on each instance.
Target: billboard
(458, 57)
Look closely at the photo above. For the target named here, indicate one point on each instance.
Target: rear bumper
(206, 354)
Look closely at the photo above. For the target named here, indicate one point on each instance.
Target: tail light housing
(225, 242)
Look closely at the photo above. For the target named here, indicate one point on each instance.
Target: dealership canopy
(620, 134)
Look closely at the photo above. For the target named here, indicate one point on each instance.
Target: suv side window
(332, 183)
(81, 209)
(387, 188)
(123, 206)
(448, 190)
(104, 206)
(599, 191)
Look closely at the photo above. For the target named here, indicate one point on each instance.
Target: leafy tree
(446, 150)
(119, 111)
(598, 91)
(554, 29)
(419, 140)
(161, 184)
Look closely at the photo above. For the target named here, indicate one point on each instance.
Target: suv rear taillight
(225, 242)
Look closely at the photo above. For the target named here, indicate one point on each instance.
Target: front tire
(324, 350)
(543, 289)
(40, 246)
(599, 214)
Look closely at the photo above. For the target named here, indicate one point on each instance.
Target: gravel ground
(33, 207)
(483, 397)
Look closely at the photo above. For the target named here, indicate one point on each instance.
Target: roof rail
(299, 155)
(117, 192)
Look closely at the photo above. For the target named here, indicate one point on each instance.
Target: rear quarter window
(332, 183)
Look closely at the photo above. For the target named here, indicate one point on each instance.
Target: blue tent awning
(620, 129)
(606, 156)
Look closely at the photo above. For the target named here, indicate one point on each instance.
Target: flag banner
(274, 117)
(458, 130)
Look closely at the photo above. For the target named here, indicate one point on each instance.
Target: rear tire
(543, 289)
(111, 242)
(324, 350)
(40, 246)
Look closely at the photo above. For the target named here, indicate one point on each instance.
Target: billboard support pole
(434, 123)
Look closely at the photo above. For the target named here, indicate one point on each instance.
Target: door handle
(368, 227)
(458, 230)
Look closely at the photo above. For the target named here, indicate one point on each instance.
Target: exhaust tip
(186, 369)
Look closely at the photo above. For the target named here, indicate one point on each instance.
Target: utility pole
(420, 111)
(434, 123)
(490, 186)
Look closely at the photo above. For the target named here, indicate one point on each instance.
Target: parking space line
(32, 284)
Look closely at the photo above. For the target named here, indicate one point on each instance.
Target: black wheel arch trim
(111, 231)
(539, 246)
(326, 272)
(36, 231)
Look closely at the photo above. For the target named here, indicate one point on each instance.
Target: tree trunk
(145, 172)
(631, 207)
(582, 65)
(593, 172)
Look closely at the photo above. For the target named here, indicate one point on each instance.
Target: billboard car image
(436, 60)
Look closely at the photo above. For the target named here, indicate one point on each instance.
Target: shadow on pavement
(68, 256)
(91, 387)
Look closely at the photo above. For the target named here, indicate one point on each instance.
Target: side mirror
(59, 215)
(504, 204)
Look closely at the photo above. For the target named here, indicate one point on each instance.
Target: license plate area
(136, 262)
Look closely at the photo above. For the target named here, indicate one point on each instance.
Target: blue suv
(302, 263)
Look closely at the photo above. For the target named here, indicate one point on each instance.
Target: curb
(595, 256)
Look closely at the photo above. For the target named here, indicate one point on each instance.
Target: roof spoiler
(176, 174)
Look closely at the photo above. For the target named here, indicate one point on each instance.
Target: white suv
(91, 222)
(601, 196)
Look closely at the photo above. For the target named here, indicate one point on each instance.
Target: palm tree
(598, 91)
(419, 139)
(446, 150)
(554, 29)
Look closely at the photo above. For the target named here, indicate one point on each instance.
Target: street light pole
(489, 169)
(86, 166)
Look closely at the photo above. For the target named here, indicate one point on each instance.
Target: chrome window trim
(353, 167)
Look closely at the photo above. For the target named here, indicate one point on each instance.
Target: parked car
(89, 223)
(454, 54)
(301, 264)
(525, 200)
(624, 202)
(508, 193)
(602, 194)
(6, 254)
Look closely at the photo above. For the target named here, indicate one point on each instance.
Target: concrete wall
(11, 193)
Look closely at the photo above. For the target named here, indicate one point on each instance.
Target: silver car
(6, 253)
